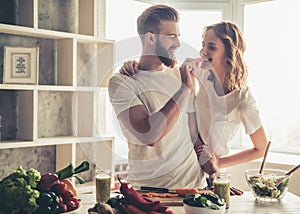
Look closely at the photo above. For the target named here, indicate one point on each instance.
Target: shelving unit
(75, 61)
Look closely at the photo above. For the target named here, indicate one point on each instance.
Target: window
(121, 18)
(191, 35)
(273, 44)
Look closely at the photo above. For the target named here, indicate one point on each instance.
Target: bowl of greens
(204, 203)
(270, 186)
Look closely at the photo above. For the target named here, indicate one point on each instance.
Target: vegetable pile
(29, 192)
(209, 200)
(131, 202)
(266, 186)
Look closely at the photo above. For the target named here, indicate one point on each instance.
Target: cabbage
(17, 192)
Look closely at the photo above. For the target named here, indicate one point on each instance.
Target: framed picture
(20, 65)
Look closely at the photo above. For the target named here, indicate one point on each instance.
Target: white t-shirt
(220, 117)
(172, 163)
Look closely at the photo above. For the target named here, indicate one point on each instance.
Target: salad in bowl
(270, 185)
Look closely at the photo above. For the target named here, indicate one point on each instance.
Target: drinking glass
(222, 187)
(103, 184)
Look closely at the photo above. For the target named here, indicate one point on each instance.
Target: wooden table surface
(238, 205)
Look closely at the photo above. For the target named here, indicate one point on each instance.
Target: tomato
(60, 199)
(67, 194)
(71, 205)
(59, 188)
(63, 208)
(75, 200)
(70, 186)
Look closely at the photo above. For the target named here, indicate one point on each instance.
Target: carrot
(184, 191)
(159, 195)
(135, 210)
(148, 194)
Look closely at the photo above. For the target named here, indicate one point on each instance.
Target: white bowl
(203, 210)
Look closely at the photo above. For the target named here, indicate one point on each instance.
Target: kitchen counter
(238, 205)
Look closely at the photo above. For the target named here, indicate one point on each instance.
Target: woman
(224, 101)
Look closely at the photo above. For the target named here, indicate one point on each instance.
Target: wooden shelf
(53, 141)
(64, 109)
(50, 34)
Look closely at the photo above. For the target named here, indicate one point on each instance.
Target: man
(155, 108)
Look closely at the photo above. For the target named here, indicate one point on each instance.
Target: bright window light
(272, 36)
(192, 23)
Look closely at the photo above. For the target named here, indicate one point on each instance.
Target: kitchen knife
(156, 189)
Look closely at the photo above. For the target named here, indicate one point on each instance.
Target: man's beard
(164, 55)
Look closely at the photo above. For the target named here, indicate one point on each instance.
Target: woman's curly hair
(233, 40)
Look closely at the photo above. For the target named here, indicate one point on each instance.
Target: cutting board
(173, 201)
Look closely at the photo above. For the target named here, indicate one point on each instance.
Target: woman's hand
(129, 68)
(208, 161)
(187, 72)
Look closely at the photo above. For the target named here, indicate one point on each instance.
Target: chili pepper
(236, 191)
(136, 199)
(134, 210)
(231, 192)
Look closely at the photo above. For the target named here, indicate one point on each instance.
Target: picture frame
(20, 65)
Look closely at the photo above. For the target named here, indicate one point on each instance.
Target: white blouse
(220, 117)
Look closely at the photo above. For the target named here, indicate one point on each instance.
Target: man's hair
(149, 20)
